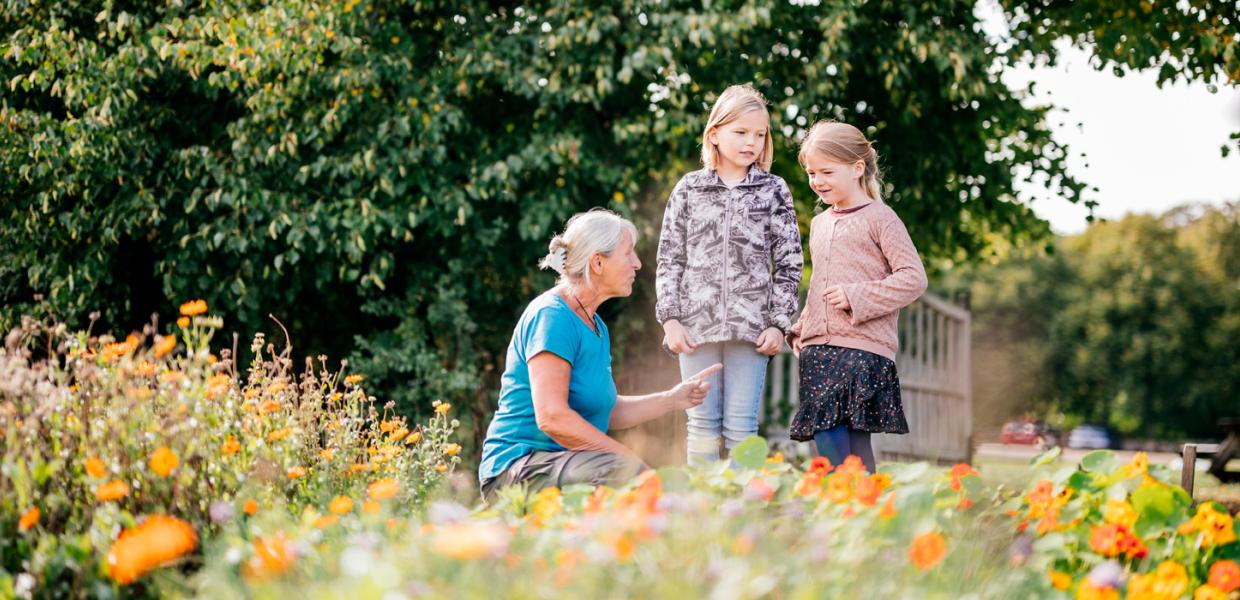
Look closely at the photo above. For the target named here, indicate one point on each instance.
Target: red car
(1026, 431)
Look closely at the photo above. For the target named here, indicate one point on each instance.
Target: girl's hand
(835, 297)
(796, 347)
(677, 338)
(770, 341)
(692, 391)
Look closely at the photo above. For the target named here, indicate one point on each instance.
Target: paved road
(1019, 452)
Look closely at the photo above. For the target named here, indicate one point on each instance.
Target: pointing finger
(707, 372)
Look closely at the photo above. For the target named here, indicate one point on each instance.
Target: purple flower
(221, 512)
(1108, 574)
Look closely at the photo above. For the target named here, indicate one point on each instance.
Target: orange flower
(326, 521)
(165, 345)
(183, 322)
(1169, 581)
(443, 408)
(273, 556)
(1112, 540)
(839, 487)
(759, 489)
(809, 485)
(867, 491)
(160, 539)
(471, 540)
(1209, 592)
(413, 438)
(452, 449)
(958, 472)
(163, 461)
(230, 446)
(95, 468)
(370, 507)
(889, 507)
(1088, 591)
(927, 550)
(1217, 527)
(278, 434)
(29, 519)
(354, 378)
(383, 489)
(1225, 575)
(1059, 580)
(112, 490)
(340, 505)
(327, 454)
(820, 465)
(1120, 512)
(296, 472)
(1139, 465)
(250, 507)
(269, 406)
(194, 308)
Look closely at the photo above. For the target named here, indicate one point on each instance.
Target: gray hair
(597, 230)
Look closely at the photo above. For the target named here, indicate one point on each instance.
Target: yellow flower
(276, 387)
(1088, 591)
(250, 507)
(1168, 582)
(452, 449)
(1061, 581)
(471, 540)
(165, 345)
(413, 438)
(442, 408)
(370, 507)
(327, 454)
(383, 489)
(163, 461)
(354, 378)
(112, 490)
(618, 196)
(95, 468)
(340, 505)
(1120, 512)
(194, 308)
(441, 468)
(29, 519)
(1209, 592)
(296, 472)
(1138, 466)
(269, 406)
(160, 539)
(335, 397)
(230, 446)
(1216, 528)
(279, 434)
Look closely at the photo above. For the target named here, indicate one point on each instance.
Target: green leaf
(751, 452)
(1046, 457)
(1100, 461)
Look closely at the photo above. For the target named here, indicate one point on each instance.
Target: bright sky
(1147, 149)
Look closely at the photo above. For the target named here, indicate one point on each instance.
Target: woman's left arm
(631, 411)
(906, 283)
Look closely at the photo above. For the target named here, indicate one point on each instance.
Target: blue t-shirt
(548, 325)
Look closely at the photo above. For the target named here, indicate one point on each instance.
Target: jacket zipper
(727, 239)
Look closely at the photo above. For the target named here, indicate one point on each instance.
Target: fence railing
(933, 364)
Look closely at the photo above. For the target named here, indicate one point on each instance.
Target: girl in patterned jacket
(865, 270)
(728, 270)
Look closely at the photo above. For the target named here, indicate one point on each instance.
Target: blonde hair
(731, 104)
(596, 230)
(846, 144)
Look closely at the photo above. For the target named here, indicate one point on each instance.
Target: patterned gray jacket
(730, 260)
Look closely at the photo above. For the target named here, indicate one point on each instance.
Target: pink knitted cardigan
(869, 253)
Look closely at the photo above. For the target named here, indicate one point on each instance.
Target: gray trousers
(540, 470)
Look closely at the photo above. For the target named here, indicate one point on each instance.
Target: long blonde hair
(735, 101)
(845, 144)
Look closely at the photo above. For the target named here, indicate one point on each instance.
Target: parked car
(1028, 431)
(1091, 436)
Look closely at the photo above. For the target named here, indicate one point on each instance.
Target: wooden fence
(933, 363)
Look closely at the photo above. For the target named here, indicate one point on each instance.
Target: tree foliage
(382, 175)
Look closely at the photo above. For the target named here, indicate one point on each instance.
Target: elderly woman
(557, 398)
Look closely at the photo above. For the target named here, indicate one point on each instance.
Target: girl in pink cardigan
(865, 269)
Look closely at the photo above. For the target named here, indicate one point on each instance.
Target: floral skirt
(850, 387)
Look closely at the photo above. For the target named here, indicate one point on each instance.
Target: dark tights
(839, 442)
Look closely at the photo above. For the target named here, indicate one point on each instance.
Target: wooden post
(1189, 470)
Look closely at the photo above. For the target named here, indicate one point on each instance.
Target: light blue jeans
(730, 410)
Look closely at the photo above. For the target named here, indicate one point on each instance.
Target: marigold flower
(164, 345)
(371, 507)
(1088, 591)
(326, 521)
(163, 461)
(279, 434)
(296, 472)
(452, 449)
(194, 308)
(1169, 581)
(29, 519)
(250, 507)
(112, 490)
(158, 540)
(340, 505)
(95, 468)
(383, 489)
(327, 454)
(269, 406)
(927, 550)
(1059, 580)
(354, 378)
(230, 446)
(443, 408)
(413, 438)
(273, 556)
(1225, 575)
(1209, 592)
(183, 322)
